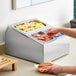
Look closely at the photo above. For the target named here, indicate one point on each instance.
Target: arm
(69, 69)
(57, 69)
(67, 31)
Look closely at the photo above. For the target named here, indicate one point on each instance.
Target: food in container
(43, 36)
(30, 26)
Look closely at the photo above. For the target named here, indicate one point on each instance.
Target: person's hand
(53, 31)
(52, 69)
(44, 67)
(55, 69)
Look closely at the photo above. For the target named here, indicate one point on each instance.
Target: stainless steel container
(23, 45)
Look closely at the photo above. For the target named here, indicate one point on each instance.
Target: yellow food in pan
(29, 26)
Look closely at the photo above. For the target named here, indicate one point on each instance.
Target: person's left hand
(45, 67)
(50, 68)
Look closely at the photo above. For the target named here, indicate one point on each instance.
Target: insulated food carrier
(30, 46)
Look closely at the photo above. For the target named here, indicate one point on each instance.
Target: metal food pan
(30, 32)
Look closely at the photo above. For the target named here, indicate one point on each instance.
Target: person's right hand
(53, 30)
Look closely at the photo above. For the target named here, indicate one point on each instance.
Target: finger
(49, 31)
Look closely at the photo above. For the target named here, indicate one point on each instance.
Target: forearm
(68, 31)
(69, 69)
